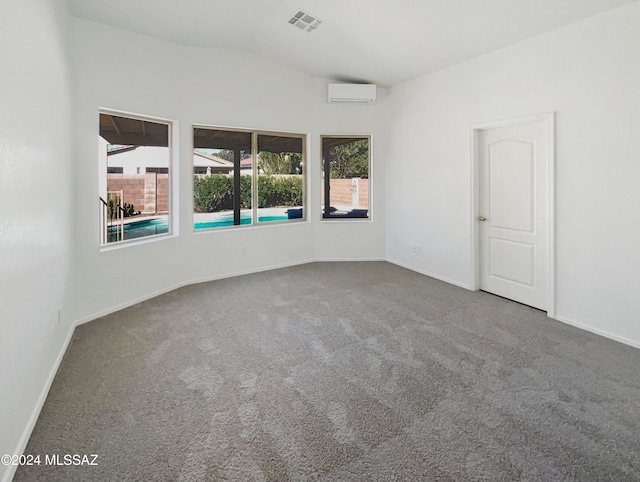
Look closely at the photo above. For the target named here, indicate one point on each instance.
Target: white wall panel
(120, 70)
(588, 73)
(36, 195)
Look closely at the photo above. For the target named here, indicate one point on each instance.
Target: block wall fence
(342, 193)
(149, 193)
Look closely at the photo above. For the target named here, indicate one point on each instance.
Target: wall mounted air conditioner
(352, 93)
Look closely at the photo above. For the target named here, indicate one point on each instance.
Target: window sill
(136, 242)
(240, 227)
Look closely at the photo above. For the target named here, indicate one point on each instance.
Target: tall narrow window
(346, 168)
(222, 185)
(135, 157)
(246, 177)
(280, 177)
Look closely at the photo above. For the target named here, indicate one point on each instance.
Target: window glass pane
(135, 158)
(222, 185)
(265, 168)
(280, 178)
(346, 164)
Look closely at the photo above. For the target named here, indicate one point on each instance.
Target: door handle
(482, 218)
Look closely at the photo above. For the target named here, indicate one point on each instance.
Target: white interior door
(513, 211)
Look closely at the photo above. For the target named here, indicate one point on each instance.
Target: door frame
(548, 118)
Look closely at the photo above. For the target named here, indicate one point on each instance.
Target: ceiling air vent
(304, 21)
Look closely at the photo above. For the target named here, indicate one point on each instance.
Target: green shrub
(284, 192)
(245, 192)
(212, 193)
(215, 192)
(114, 206)
(129, 210)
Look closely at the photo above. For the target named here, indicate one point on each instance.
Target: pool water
(151, 227)
(244, 219)
(138, 229)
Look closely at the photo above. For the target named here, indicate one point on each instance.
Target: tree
(225, 154)
(281, 163)
(350, 160)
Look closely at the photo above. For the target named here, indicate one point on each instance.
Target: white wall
(589, 74)
(123, 71)
(35, 207)
(351, 239)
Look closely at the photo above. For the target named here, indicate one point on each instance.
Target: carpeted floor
(339, 371)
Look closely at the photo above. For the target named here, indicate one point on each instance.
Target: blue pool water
(151, 227)
(244, 219)
(138, 229)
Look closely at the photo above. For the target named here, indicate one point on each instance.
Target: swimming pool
(227, 220)
(151, 227)
(138, 229)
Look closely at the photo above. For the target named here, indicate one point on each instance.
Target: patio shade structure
(133, 132)
(238, 140)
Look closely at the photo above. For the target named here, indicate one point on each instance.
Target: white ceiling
(379, 41)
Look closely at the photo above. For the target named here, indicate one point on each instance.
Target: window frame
(255, 133)
(172, 182)
(326, 168)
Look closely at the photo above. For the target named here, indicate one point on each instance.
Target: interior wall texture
(128, 72)
(588, 74)
(361, 239)
(36, 194)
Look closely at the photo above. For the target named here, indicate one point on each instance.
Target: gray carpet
(340, 371)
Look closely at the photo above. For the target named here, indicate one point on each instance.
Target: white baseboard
(250, 271)
(35, 414)
(8, 475)
(26, 435)
(148, 296)
(560, 318)
(346, 260)
(597, 331)
(430, 275)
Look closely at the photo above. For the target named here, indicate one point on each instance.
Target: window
(246, 177)
(346, 168)
(135, 156)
